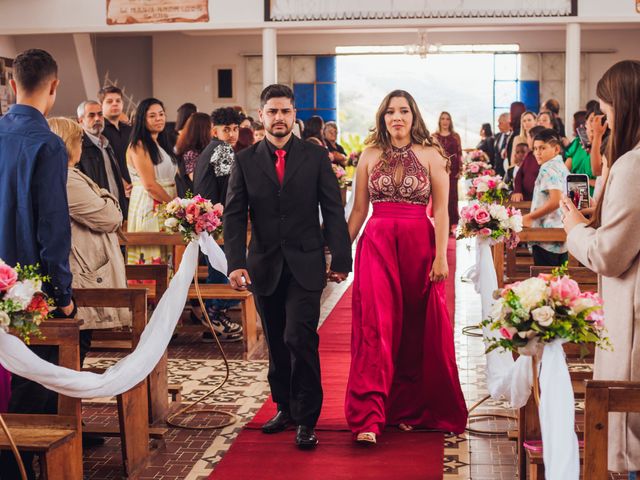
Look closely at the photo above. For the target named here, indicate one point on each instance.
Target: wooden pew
(133, 406)
(56, 438)
(601, 398)
(587, 279)
(247, 310)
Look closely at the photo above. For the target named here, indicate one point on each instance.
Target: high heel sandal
(366, 438)
(405, 428)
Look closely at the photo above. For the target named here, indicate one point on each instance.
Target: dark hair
(552, 105)
(257, 126)
(32, 68)
(226, 116)
(536, 129)
(104, 91)
(515, 111)
(522, 144)
(195, 135)
(548, 113)
(591, 105)
(546, 135)
(579, 119)
(314, 127)
(245, 139)
(276, 90)
(620, 88)
(486, 129)
(140, 135)
(184, 112)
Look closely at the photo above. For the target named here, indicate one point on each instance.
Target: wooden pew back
(603, 397)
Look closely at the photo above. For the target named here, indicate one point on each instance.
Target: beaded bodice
(400, 178)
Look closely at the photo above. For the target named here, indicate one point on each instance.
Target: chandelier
(421, 48)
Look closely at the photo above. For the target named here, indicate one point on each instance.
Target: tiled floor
(193, 454)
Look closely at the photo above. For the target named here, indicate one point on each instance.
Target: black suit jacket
(92, 165)
(205, 181)
(285, 224)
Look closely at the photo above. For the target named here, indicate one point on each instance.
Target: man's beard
(281, 133)
(96, 129)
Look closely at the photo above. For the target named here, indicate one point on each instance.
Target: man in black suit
(279, 182)
(501, 142)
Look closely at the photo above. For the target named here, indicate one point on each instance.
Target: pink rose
(481, 216)
(218, 209)
(492, 183)
(508, 332)
(474, 168)
(485, 232)
(8, 277)
(564, 289)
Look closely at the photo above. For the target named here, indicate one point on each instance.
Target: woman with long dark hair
(194, 138)
(606, 245)
(152, 167)
(403, 365)
(487, 142)
(451, 144)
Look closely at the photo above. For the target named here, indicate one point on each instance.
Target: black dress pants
(290, 321)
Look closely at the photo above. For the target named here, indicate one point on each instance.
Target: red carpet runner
(398, 455)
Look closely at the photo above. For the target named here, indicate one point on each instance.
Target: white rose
(5, 321)
(171, 222)
(22, 292)
(543, 315)
(482, 187)
(515, 222)
(499, 212)
(531, 292)
(497, 310)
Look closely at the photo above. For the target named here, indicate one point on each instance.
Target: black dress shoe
(306, 437)
(278, 423)
(90, 440)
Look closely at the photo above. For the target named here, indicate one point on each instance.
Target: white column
(88, 67)
(572, 74)
(269, 57)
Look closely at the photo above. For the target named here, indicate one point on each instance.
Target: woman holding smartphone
(608, 245)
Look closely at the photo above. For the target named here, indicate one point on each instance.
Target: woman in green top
(578, 159)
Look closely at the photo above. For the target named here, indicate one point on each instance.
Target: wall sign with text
(127, 12)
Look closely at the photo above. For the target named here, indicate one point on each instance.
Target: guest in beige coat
(611, 248)
(96, 259)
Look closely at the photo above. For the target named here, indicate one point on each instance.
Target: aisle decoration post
(534, 318)
(196, 218)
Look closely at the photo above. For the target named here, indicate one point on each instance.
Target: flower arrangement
(488, 189)
(473, 170)
(192, 216)
(23, 305)
(495, 222)
(476, 156)
(542, 309)
(340, 174)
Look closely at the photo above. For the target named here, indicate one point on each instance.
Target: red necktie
(280, 163)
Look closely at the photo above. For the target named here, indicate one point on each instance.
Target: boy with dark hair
(34, 214)
(545, 205)
(226, 125)
(210, 179)
(116, 131)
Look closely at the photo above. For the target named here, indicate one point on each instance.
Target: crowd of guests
(534, 155)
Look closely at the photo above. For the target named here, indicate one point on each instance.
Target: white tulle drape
(135, 367)
(512, 381)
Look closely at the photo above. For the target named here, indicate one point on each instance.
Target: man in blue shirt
(34, 214)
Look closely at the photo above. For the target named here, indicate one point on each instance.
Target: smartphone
(584, 138)
(577, 189)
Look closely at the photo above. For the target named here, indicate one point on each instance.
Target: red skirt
(403, 364)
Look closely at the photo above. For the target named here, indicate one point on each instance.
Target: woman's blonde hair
(69, 131)
(379, 136)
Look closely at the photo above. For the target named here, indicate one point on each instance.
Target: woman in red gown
(403, 366)
(450, 142)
